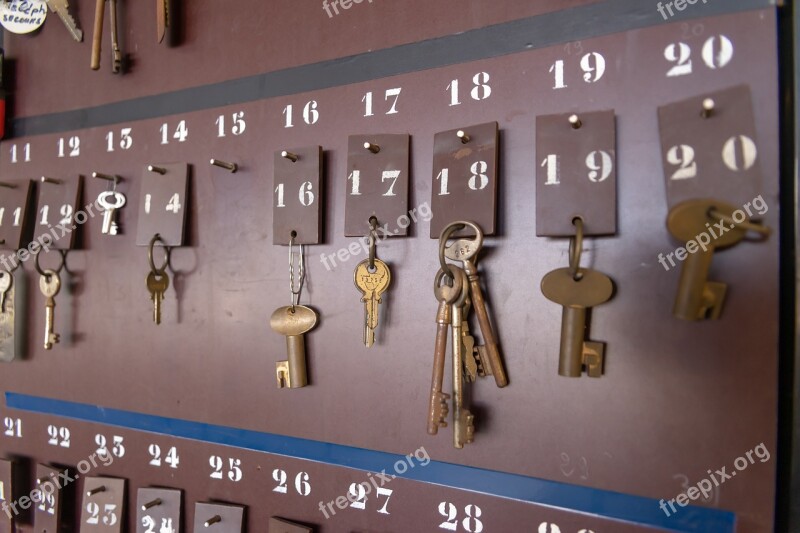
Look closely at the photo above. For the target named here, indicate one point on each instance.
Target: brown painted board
(629, 432)
(715, 156)
(14, 214)
(465, 176)
(218, 518)
(377, 183)
(298, 196)
(163, 204)
(576, 176)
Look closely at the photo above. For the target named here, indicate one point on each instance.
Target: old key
(446, 296)
(697, 297)
(50, 284)
(6, 281)
(463, 427)
(372, 285)
(591, 288)
(466, 251)
(293, 321)
(157, 285)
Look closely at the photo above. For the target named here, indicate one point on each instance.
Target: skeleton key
(698, 298)
(50, 284)
(6, 281)
(576, 296)
(61, 7)
(372, 286)
(162, 18)
(110, 226)
(97, 39)
(465, 250)
(157, 285)
(116, 60)
(293, 322)
(463, 428)
(446, 295)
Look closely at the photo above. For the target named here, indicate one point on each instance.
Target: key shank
(489, 340)
(698, 298)
(292, 373)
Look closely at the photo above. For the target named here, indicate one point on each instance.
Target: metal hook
(576, 249)
(373, 228)
(39, 267)
(153, 269)
(301, 271)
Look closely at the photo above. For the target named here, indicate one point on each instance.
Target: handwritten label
(23, 16)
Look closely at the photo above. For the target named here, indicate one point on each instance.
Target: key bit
(293, 322)
(61, 8)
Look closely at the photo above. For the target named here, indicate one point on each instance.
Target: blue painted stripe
(606, 504)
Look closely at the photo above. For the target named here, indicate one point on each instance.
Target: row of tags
(158, 510)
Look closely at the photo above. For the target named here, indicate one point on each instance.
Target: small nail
(54, 181)
(153, 503)
(374, 148)
(96, 490)
(158, 170)
(233, 167)
(98, 175)
(575, 122)
(213, 520)
(461, 134)
(7, 185)
(708, 107)
(290, 156)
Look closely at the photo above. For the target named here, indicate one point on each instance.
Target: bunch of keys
(457, 290)
(372, 277)
(157, 279)
(7, 316)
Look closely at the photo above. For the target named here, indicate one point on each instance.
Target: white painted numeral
(59, 436)
(470, 523)
(174, 204)
(443, 179)
(310, 114)
(238, 124)
(117, 448)
(355, 178)
(359, 493)
(125, 140)
(26, 153)
(478, 180)
(593, 65)
(234, 468)
(547, 527)
(13, 427)
(181, 132)
(717, 53)
(74, 145)
(481, 90)
(682, 156)
(739, 153)
(600, 165)
(172, 459)
(390, 175)
(302, 483)
(390, 93)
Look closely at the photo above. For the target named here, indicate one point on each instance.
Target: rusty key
(466, 251)
(446, 296)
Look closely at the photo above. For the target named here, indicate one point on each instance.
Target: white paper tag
(22, 16)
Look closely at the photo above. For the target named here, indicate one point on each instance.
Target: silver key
(6, 280)
(118, 200)
(50, 284)
(61, 8)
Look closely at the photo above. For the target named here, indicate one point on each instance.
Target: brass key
(157, 285)
(576, 296)
(466, 251)
(50, 284)
(372, 286)
(463, 428)
(698, 298)
(6, 281)
(61, 8)
(99, 12)
(162, 19)
(293, 322)
(438, 409)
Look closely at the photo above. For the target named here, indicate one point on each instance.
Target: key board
(225, 417)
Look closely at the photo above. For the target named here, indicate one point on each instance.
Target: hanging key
(116, 59)
(463, 427)
(446, 295)
(162, 19)
(372, 285)
(576, 296)
(698, 298)
(6, 281)
(466, 251)
(157, 285)
(97, 39)
(61, 8)
(50, 284)
(293, 322)
(110, 226)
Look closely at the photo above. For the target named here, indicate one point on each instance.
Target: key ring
(745, 224)
(39, 267)
(153, 269)
(302, 271)
(576, 249)
(373, 225)
(445, 236)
